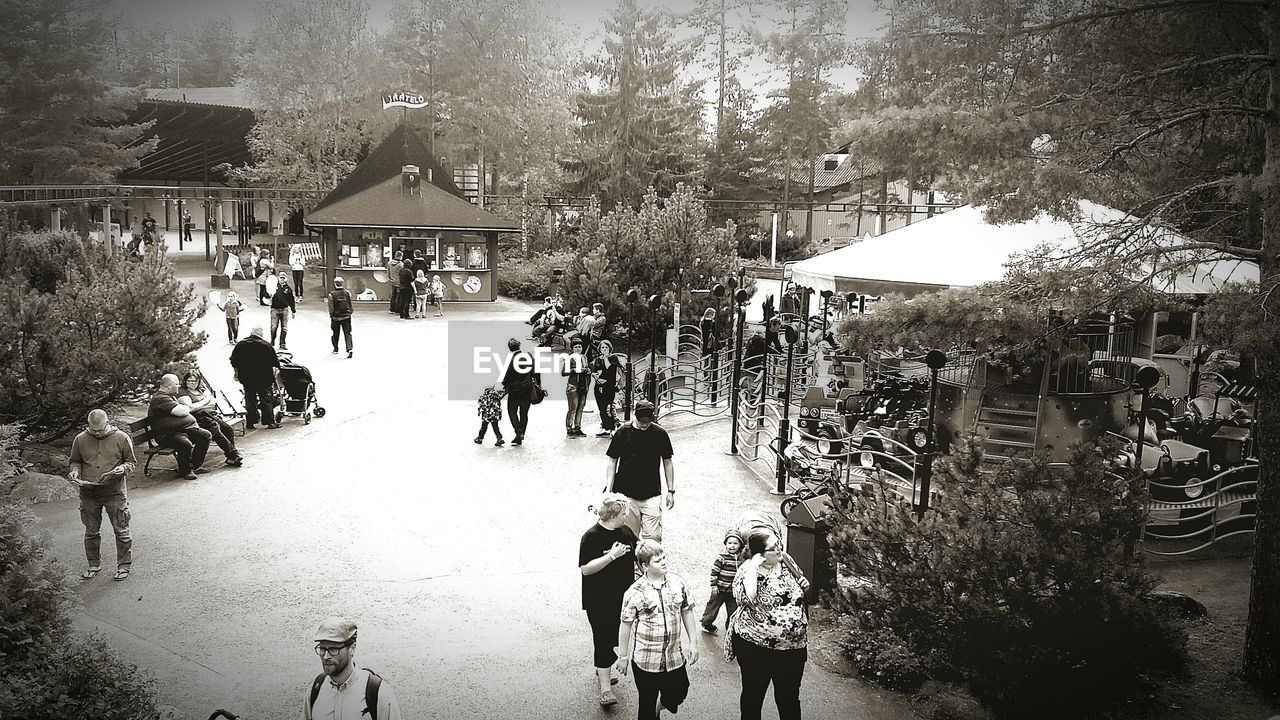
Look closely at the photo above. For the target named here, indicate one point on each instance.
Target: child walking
(490, 413)
(232, 308)
(722, 572)
(654, 611)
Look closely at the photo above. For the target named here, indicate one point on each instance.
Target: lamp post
(935, 360)
(740, 299)
(784, 425)
(655, 302)
(826, 308)
(1147, 378)
(633, 296)
(717, 292)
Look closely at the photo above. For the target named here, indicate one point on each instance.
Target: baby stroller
(297, 391)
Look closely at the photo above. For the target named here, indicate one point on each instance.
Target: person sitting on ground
(175, 428)
(536, 320)
(204, 407)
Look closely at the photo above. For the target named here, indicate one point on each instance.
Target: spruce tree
(640, 128)
(59, 123)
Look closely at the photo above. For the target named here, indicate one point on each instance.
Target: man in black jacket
(282, 307)
(255, 364)
(405, 290)
(519, 381)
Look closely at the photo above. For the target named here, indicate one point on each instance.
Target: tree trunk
(720, 97)
(1262, 635)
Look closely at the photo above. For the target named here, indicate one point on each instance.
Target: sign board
(404, 100)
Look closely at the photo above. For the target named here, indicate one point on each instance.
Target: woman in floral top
(654, 609)
(770, 631)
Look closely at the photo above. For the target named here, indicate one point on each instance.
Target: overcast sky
(862, 21)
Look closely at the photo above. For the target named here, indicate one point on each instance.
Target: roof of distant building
(371, 196)
(235, 97)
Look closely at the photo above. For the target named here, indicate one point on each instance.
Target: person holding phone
(605, 561)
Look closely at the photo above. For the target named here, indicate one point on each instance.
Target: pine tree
(58, 122)
(640, 128)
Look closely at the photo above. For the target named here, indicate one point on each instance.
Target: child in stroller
(297, 391)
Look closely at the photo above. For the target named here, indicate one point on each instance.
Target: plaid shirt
(655, 614)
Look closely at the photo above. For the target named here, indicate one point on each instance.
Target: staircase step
(1003, 426)
(1007, 411)
(1009, 442)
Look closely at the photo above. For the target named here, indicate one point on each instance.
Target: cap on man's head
(644, 408)
(336, 630)
(338, 281)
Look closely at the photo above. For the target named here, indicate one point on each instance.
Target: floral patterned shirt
(655, 613)
(490, 409)
(777, 618)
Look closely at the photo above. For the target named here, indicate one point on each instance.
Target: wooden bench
(231, 412)
(144, 441)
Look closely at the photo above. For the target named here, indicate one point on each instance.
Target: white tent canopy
(959, 249)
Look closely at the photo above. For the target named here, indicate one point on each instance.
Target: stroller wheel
(319, 412)
(306, 418)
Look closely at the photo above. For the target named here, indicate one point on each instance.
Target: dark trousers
(405, 296)
(297, 283)
(190, 445)
(672, 686)
(518, 410)
(604, 404)
(223, 435)
(233, 329)
(497, 431)
(117, 507)
(760, 666)
(259, 404)
(718, 599)
(263, 296)
(395, 299)
(186, 232)
(604, 633)
(341, 326)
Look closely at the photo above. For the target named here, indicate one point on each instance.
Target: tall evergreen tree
(209, 51)
(58, 121)
(639, 129)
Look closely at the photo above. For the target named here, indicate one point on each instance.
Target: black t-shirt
(604, 590)
(640, 454)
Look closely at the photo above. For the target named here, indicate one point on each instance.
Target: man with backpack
(344, 690)
(340, 307)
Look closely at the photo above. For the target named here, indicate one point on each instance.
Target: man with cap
(636, 452)
(344, 691)
(340, 307)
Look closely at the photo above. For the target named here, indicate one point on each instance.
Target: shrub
(48, 673)
(80, 328)
(529, 278)
(1015, 581)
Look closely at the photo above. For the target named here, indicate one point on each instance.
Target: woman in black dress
(605, 369)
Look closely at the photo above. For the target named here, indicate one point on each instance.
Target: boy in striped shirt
(722, 573)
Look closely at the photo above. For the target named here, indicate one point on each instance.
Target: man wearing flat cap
(344, 691)
(639, 457)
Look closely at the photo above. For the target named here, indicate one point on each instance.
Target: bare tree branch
(1220, 60)
(1192, 114)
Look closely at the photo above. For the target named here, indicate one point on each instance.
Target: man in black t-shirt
(635, 454)
(605, 560)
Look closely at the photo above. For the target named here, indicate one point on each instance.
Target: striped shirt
(723, 571)
(655, 613)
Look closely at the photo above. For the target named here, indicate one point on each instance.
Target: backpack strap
(371, 694)
(315, 690)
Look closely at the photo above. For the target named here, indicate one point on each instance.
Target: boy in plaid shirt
(654, 609)
(490, 412)
(722, 572)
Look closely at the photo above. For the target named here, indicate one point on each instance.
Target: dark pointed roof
(370, 196)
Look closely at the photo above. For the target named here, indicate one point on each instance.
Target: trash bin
(807, 543)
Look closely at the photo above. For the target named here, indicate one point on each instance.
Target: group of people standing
(411, 290)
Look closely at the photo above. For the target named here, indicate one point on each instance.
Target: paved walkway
(457, 561)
